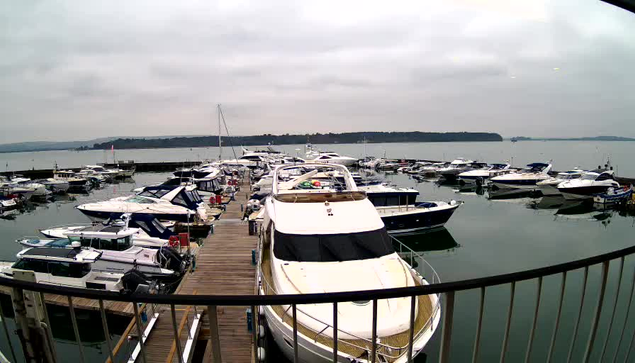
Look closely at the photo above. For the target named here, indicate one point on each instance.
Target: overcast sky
(79, 70)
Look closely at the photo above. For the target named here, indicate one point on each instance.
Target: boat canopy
(179, 196)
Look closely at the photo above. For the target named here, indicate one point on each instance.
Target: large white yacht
(590, 184)
(321, 235)
(524, 179)
(164, 202)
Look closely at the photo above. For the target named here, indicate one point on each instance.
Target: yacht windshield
(590, 176)
(141, 200)
(332, 247)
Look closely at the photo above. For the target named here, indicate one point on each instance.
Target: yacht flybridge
(320, 234)
(164, 202)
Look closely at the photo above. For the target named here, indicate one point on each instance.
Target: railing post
(532, 333)
(140, 332)
(554, 336)
(335, 332)
(617, 297)
(76, 329)
(254, 330)
(479, 324)
(50, 343)
(598, 312)
(104, 324)
(413, 305)
(446, 336)
(177, 338)
(577, 322)
(295, 333)
(214, 337)
(6, 333)
(374, 343)
(509, 322)
(627, 315)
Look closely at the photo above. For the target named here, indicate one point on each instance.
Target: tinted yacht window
(332, 247)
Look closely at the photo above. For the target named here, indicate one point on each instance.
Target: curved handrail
(316, 298)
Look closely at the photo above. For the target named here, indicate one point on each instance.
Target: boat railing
(387, 349)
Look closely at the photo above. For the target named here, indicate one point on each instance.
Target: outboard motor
(171, 259)
(134, 280)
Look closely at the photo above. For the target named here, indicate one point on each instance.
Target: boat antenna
(226, 130)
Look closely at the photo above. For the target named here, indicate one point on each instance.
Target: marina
(224, 262)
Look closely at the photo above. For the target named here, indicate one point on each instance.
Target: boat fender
(261, 331)
(261, 354)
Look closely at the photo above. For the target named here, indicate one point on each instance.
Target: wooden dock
(223, 266)
(111, 307)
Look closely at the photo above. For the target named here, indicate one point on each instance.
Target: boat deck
(358, 348)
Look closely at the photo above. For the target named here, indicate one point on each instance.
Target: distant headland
(594, 138)
(287, 139)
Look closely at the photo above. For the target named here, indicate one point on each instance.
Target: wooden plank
(223, 266)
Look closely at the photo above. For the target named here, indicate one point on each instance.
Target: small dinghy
(614, 196)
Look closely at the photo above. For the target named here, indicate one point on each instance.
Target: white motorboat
(549, 186)
(589, 185)
(333, 158)
(107, 174)
(457, 167)
(525, 179)
(75, 183)
(39, 191)
(323, 236)
(55, 186)
(481, 176)
(118, 254)
(70, 267)
(149, 232)
(164, 202)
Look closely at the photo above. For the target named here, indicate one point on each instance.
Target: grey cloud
(282, 67)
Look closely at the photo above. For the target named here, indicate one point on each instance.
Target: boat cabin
(62, 262)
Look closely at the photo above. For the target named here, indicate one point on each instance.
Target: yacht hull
(310, 351)
(586, 192)
(526, 184)
(103, 215)
(402, 220)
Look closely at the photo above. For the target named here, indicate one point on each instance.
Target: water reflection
(432, 241)
(500, 194)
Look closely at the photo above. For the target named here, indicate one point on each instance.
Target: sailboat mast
(220, 146)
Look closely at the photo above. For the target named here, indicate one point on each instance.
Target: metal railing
(622, 344)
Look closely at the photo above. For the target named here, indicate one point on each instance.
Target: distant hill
(49, 145)
(60, 145)
(286, 139)
(593, 138)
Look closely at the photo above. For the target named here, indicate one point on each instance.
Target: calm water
(485, 237)
(565, 154)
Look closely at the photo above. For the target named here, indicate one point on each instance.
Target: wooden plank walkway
(223, 266)
(111, 307)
